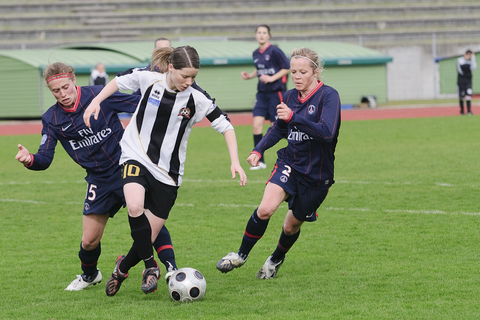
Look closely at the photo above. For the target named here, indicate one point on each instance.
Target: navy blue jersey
(312, 134)
(96, 149)
(270, 61)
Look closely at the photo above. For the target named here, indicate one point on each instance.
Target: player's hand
(93, 109)
(284, 112)
(245, 75)
(253, 159)
(23, 155)
(265, 79)
(236, 167)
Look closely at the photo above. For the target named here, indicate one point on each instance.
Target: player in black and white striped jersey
(154, 148)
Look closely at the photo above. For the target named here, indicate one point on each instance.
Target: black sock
(131, 260)
(256, 140)
(461, 106)
(89, 261)
(163, 246)
(253, 232)
(284, 244)
(142, 239)
(469, 106)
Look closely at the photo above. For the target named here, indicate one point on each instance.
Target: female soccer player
(154, 148)
(97, 150)
(309, 118)
(271, 68)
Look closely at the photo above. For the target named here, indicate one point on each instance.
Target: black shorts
(302, 200)
(159, 197)
(464, 88)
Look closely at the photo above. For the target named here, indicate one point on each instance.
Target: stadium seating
(40, 24)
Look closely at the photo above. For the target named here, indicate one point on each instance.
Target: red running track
(13, 128)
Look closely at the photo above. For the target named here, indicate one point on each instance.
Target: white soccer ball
(187, 285)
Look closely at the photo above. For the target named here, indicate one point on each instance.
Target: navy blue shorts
(303, 201)
(266, 105)
(104, 194)
(159, 197)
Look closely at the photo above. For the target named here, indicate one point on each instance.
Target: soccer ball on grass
(186, 285)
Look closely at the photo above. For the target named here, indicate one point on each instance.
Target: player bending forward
(309, 119)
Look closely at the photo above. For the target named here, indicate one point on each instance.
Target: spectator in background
(465, 65)
(98, 75)
(271, 68)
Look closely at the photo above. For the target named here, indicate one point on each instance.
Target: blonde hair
(312, 56)
(60, 69)
(180, 57)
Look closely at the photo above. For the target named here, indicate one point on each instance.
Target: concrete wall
(413, 75)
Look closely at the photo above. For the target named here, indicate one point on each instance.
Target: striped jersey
(312, 134)
(96, 149)
(158, 132)
(269, 61)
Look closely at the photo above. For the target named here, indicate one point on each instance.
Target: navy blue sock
(142, 239)
(89, 261)
(163, 246)
(284, 244)
(255, 229)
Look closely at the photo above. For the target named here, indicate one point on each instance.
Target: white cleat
(269, 269)
(79, 283)
(230, 262)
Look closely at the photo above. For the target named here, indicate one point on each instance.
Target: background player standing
(465, 65)
(309, 118)
(154, 148)
(97, 150)
(271, 68)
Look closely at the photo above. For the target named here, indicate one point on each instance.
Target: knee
(135, 210)
(90, 244)
(265, 212)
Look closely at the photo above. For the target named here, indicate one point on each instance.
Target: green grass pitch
(397, 237)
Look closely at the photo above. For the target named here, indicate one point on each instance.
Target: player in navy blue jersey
(271, 68)
(465, 65)
(97, 150)
(154, 148)
(309, 118)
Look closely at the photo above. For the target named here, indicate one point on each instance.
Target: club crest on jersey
(184, 112)
(311, 109)
(267, 57)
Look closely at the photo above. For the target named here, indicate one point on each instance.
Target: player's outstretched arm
(235, 167)
(23, 156)
(94, 107)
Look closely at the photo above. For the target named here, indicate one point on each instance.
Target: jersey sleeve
(219, 120)
(128, 80)
(122, 102)
(281, 59)
(327, 126)
(44, 156)
(275, 133)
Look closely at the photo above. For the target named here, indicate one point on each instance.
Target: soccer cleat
(269, 269)
(81, 283)
(230, 262)
(169, 275)
(115, 281)
(150, 279)
(261, 165)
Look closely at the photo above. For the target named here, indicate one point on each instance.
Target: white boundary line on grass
(232, 205)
